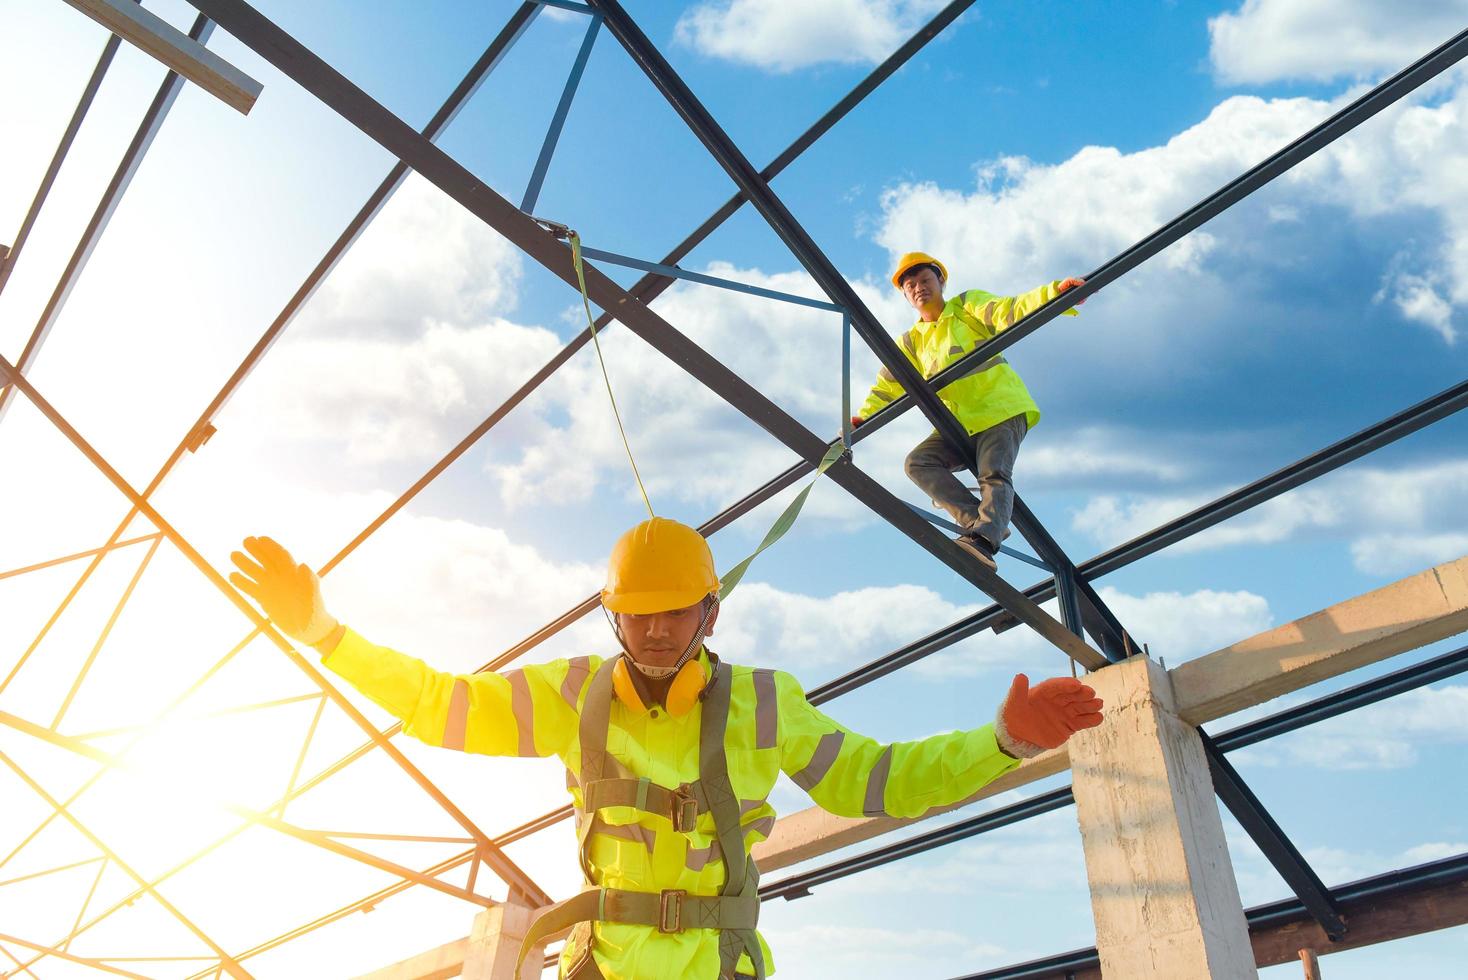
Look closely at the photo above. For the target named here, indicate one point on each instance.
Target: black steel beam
(8, 259)
(358, 108)
(778, 216)
(1271, 840)
(799, 885)
(1440, 406)
(132, 158)
(1348, 699)
(1394, 884)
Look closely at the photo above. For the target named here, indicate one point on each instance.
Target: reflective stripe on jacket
(994, 391)
(535, 710)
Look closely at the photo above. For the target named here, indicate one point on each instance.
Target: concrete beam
(160, 39)
(1163, 892)
(1396, 618)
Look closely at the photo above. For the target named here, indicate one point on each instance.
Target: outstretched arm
(999, 313)
(526, 712)
(853, 775)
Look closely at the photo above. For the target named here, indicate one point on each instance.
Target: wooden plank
(1369, 922)
(1407, 614)
(160, 39)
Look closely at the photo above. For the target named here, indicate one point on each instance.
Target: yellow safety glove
(290, 593)
(1034, 719)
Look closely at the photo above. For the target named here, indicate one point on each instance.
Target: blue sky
(1029, 142)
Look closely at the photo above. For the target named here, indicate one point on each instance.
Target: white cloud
(1417, 298)
(1025, 222)
(1400, 554)
(780, 36)
(423, 259)
(1272, 40)
(387, 399)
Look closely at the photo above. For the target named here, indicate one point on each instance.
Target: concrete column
(1162, 886)
(495, 943)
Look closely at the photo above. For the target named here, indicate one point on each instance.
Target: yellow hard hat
(917, 258)
(657, 566)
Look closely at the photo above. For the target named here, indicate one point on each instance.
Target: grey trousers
(931, 464)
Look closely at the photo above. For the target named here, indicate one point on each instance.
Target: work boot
(980, 547)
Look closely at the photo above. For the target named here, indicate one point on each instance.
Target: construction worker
(670, 753)
(990, 401)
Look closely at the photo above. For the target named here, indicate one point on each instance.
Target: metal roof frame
(1082, 610)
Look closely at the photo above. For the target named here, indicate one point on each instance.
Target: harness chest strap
(736, 910)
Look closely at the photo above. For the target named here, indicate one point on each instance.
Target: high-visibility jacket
(993, 391)
(535, 711)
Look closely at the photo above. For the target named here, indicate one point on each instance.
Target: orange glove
(1034, 719)
(856, 420)
(1071, 283)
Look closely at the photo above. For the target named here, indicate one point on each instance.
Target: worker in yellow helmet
(670, 753)
(991, 401)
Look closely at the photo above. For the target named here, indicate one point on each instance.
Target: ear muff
(625, 687)
(686, 687)
(682, 695)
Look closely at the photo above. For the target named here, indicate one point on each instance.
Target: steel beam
(235, 970)
(90, 552)
(1266, 834)
(799, 885)
(184, 54)
(558, 120)
(1348, 699)
(8, 259)
(93, 962)
(132, 158)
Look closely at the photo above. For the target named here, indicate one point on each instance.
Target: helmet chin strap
(657, 673)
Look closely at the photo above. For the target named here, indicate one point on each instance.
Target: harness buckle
(670, 910)
(685, 810)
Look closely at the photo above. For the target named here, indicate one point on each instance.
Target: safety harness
(734, 911)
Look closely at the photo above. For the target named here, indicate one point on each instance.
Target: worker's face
(922, 287)
(659, 639)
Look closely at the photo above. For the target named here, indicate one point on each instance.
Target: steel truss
(1081, 608)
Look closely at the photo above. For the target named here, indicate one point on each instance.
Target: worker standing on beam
(991, 402)
(670, 753)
